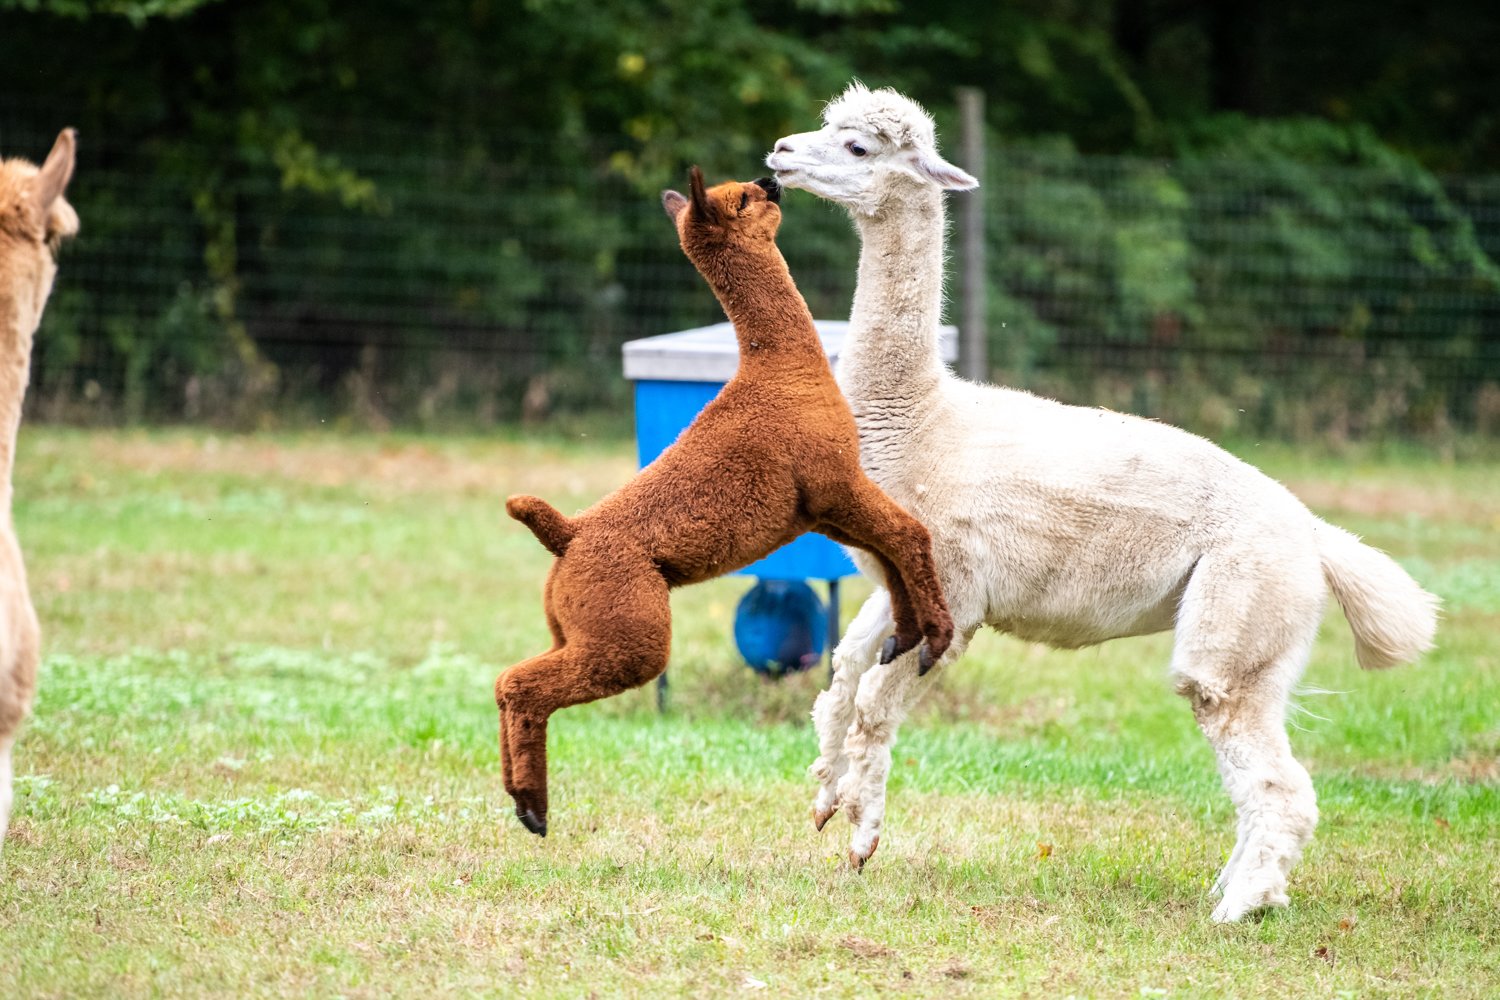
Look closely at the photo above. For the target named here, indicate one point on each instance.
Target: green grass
(263, 763)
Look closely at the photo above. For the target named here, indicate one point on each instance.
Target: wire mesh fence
(413, 279)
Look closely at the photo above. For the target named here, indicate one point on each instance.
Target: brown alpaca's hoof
(925, 660)
(888, 651)
(821, 817)
(529, 821)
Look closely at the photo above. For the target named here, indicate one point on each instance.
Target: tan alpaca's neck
(898, 303)
(17, 325)
(771, 320)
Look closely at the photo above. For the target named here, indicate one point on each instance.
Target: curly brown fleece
(774, 455)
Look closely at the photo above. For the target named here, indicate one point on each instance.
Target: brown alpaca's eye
(744, 199)
(857, 149)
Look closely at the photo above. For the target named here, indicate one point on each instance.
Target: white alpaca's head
(873, 144)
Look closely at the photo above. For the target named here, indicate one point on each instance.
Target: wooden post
(973, 349)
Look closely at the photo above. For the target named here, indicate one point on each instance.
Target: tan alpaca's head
(873, 144)
(725, 217)
(34, 220)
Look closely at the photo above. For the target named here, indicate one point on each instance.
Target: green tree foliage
(273, 149)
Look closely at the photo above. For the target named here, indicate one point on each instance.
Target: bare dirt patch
(865, 948)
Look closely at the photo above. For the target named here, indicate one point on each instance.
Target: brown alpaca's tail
(550, 528)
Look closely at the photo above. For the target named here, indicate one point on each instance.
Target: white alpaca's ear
(53, 178)
(673, 203)
(932, 167)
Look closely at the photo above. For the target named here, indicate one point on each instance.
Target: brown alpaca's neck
(771, 320)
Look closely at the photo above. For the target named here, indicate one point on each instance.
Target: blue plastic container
(675, 376)
(662, 410)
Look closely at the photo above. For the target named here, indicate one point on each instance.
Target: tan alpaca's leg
(617, 633)
(886, 695)
(6, 744)
(834, 708)
(876, 523)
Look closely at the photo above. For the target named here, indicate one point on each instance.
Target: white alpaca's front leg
(857, 652)
(885, 696)
(1226, 874)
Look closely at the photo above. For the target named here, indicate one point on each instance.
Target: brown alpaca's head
(34, 220)
(731, 215)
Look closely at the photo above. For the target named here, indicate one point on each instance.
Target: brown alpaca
(34, 220)
(774, 455)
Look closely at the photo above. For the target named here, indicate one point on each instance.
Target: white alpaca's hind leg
(886, 696)
(6, 795)
(1240, 649)
(857, 652)
(1275, 796)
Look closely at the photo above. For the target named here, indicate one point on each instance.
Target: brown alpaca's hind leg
(876, 523)
(617, 632)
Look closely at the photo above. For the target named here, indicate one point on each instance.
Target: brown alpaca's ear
(673, 203)
(701, 205)
(53, 178)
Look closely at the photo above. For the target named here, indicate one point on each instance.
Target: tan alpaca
(34, 220)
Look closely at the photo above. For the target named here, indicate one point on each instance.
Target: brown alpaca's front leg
(908, 631)
(879, 525)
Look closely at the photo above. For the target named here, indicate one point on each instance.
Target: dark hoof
(529, 821)
(925, 660)
(888, 651)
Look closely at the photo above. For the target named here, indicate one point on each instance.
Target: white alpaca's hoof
(862, 847)
(825, 804)
(1236, 906)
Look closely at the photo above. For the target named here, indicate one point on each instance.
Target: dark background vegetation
(1249, 216)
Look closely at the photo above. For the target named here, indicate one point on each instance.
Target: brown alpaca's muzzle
(772, 188)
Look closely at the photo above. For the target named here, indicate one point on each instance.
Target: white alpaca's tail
(1393, 619)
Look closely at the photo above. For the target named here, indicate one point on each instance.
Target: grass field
(263, 763)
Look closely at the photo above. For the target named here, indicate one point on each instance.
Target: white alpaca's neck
(892, 349)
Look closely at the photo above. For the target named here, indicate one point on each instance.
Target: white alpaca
(1068, 526)
(34, 219)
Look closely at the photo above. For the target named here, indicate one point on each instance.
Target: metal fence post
(973, 345)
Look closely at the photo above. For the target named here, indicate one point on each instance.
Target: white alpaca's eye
(856, 149)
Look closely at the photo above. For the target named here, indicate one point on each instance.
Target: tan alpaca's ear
(702, 207)
(54, 176)
(673, 203)
(932, 167)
